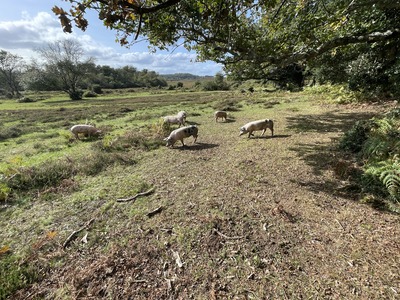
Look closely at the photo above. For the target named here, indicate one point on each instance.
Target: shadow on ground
(192, 123)
(227, 121)
(277, 136)
(328, 122)
(325, 156)
(320, 155)
(197, 146)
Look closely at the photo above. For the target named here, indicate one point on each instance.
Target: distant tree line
(65, 68)
(182, 76)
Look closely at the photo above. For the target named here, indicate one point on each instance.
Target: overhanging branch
(334, 43)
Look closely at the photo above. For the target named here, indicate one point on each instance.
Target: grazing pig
(178, 119)
(86, 130)
(182, 114)
(257, 125)
(181, 133)
(220, 114)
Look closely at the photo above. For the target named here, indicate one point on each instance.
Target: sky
(27, 25)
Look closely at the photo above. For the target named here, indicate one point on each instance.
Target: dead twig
(154, 212)
(136, 196)
(228, 237)
(340, 224)
(73, 235)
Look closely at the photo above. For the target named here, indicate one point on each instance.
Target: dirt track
(259, 218)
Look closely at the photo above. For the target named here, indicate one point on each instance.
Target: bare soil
(239, 218)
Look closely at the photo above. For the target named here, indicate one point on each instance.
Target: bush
(97, 89)
(354, 139)
(89, 94)
(75, 95)
(377, 141)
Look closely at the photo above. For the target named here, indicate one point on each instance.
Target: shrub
(97, 89)
(354, 139)
(90, 94)
(377, 141)
(75, 95)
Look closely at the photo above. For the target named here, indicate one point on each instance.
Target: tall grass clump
(17, 179)
(377, 144)
(147, 138)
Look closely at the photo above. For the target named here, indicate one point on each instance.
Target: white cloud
(30, 32)
(24, 36)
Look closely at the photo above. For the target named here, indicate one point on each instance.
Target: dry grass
(259, 218)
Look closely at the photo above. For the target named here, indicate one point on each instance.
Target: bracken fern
(388, 172)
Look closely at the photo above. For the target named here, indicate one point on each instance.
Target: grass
(249, 218)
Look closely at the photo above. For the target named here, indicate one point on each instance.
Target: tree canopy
(250, 38)
(11, 66)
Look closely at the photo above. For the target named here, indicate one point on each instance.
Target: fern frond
(390, 177)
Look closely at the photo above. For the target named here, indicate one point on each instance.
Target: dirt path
(260, 218)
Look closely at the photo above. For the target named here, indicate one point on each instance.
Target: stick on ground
(154, 212)
(73, 235)
(136, 196)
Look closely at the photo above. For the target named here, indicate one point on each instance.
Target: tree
(66, 66)
(10, 70)
(251, 38)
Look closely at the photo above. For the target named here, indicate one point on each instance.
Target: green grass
(249, 217)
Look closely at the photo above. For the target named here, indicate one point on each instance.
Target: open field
(226, 218)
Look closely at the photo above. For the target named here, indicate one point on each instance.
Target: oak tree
(252, 39)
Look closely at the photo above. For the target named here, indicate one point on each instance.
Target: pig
(86, 130)
(180, 134)
(177, 119)
(257, 125)
(220, 114)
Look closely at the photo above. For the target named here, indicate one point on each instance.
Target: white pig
(257, 125)
(181, 133)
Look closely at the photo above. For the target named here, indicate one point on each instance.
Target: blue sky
(26, 25)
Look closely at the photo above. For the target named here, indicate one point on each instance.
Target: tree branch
(334, 43)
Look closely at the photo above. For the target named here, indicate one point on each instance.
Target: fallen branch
(154, 212)
(73, 235)
(136, 196)
(228, 237)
